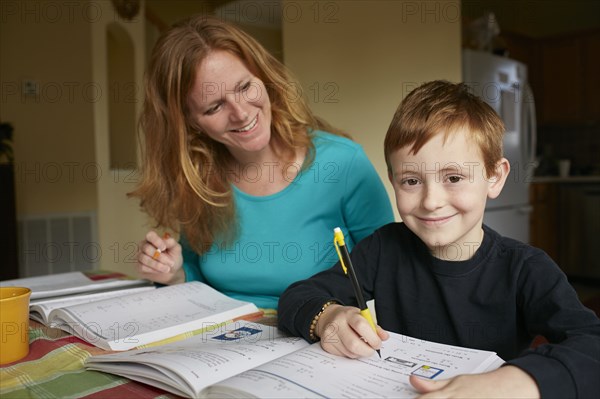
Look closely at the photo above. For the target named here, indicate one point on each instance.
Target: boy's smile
(441, 193)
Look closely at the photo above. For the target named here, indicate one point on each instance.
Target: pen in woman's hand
(158, 251)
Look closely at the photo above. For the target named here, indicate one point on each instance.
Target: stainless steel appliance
(502, 83)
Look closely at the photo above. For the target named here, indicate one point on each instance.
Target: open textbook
(252, 360)
(73, 283)
(60, 290)
(141, 318)
(45, 310)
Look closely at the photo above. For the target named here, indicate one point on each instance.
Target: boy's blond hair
(444, 107)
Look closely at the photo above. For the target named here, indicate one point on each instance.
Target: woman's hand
(345, 332)
(160, 259)
(505, 382)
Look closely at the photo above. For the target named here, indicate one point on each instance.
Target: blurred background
(71, 85)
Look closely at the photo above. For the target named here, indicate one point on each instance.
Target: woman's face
(231, 105)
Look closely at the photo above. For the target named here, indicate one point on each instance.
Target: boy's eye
(410, 182)
(454, 179)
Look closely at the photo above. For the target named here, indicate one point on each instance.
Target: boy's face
(441, 193)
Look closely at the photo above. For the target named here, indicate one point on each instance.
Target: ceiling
(535, 18)
(263, 14)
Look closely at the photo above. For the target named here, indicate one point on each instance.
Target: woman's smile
(248, 127)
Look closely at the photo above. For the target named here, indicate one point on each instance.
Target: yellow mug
(14, 323)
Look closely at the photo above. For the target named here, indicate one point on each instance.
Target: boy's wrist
(520, 380)
(313, 332)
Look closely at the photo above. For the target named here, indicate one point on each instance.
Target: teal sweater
(288, 236)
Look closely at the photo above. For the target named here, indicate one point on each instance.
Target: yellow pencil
(342, 251)
(157, 252)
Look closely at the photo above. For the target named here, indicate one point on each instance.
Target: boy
(443, 276)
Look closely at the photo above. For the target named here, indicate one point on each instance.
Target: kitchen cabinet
(543, 219)
(591, 76)
(523, 48)
(579, 229)
(563, 72)
(559, 99)
(565, 223)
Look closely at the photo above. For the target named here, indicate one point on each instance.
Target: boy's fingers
(383, 335)
(340, 350)
(364, 330)
(424, 386)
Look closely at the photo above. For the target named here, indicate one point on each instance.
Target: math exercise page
(314, 373)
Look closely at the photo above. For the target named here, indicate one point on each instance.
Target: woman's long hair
(184, 184)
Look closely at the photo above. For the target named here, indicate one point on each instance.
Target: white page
(66, 283)
(132, 320)
(495, 363)
(190, 365)
(40, 310)
(42, 285)
(315, 373)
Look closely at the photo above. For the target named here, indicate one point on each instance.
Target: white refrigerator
(502, 83)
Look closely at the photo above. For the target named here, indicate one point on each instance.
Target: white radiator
(57, 243)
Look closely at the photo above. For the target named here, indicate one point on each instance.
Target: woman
(238, 164)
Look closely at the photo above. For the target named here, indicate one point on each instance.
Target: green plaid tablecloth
(54, 369)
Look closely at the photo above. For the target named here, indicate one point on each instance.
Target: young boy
(443, 276)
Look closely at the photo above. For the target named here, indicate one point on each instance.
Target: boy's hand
(344, 332)
(505, 382)
(160, 259)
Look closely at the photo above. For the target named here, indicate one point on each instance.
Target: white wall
(121, 224)
(357, 59)
(61, 142)
(53, 138)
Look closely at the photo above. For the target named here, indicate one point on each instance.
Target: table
(54, 369)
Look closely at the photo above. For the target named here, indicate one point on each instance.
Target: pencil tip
(379, 352)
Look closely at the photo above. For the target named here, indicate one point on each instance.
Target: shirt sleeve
(366, 202)
(569, 365)
(302, 300)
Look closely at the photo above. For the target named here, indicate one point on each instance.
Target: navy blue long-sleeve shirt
(506, 294)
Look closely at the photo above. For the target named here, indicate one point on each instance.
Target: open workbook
(60, 290)
(251, 360)
(46, 310)
(71, 284)
(141, 318)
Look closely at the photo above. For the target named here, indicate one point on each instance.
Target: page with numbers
(314, 373)
(132, 320)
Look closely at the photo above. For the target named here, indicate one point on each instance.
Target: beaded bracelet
(313, 323)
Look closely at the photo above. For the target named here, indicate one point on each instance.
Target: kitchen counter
(567, 179)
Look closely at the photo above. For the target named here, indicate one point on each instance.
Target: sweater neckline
(461, 267)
